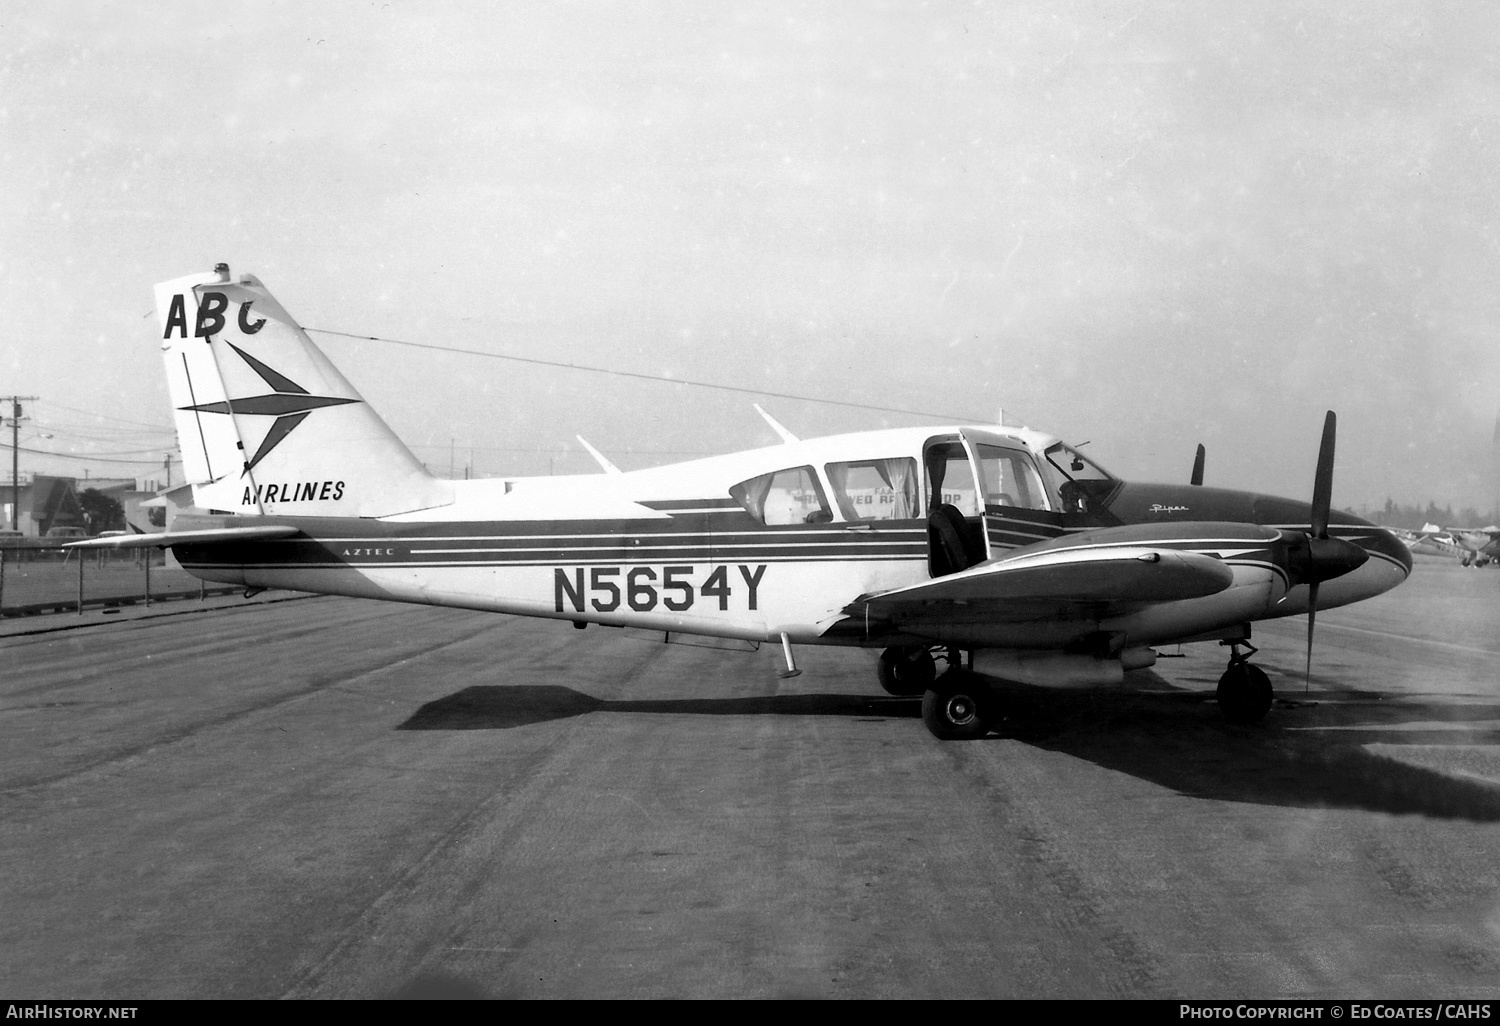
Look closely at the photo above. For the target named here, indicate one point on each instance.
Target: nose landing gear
(1244, 690)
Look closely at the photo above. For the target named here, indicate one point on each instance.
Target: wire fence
(37, 578)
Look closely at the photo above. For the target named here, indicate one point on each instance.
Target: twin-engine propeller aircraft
(1004, 552)
(1472, 546)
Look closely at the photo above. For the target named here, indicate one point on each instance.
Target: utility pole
(15, 456)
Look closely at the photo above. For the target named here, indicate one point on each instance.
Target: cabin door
(1012, 498)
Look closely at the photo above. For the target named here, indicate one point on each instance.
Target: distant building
(139, 518)
(107, 485)
(46, 502)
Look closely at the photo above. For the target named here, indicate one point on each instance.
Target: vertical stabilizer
(266, 423)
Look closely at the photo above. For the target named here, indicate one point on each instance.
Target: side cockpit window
(875, 489)
(1082, 485)
(785, 497)
(1010, 478)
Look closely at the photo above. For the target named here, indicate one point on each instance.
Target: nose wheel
(1244, 690)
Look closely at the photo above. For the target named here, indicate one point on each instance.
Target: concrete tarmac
(338, 798)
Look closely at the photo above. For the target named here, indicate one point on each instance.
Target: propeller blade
(1323, 482)
(1312, 618)
(1331, 558)
(1198, 465)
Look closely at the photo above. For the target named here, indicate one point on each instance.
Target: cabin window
(1010, 478)
(786, 497)
(875, 489)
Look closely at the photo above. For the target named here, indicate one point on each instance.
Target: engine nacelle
(1049, 668)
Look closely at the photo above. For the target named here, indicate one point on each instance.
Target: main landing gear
(906, 670)
(956, 704)
(1244, 690)
(959, 706)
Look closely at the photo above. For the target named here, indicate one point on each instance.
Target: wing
(1100, 580)
(205, 537)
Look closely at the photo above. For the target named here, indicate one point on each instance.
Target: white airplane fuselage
(669, 549)
(1000, 547)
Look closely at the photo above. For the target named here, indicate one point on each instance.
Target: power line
(50, 428)
(84, 458)
(106, 416)
(119, 452)
(953, 417)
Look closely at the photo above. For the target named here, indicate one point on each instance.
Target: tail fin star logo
(288, 402)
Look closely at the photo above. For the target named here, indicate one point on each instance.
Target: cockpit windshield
(1081, 484)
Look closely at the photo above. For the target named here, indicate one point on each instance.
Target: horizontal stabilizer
(208, 537)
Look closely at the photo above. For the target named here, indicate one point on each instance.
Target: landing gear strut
(1244, 690)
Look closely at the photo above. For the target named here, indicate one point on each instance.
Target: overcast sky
(1143, 225)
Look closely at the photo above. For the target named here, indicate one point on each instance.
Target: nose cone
(1384, 562)
(1389, 564)
(1376, 558)
(1383, 546)
(1387, 553)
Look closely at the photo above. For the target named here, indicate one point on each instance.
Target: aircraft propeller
(1197, 478)
(1326, 557)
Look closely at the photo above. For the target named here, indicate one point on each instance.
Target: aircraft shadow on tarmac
(1310, 752)
(518, 705)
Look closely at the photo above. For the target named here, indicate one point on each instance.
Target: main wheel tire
(957, 707)
(906, 670)
(1244, 693)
